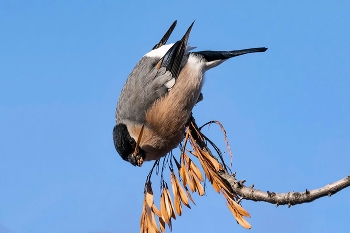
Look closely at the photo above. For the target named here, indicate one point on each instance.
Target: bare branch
(290, 198)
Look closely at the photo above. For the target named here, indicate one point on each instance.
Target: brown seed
(178, 207)
(199, 186)
(149, 194)
(189, 196)
(154, 224)
(163, 208)
(206, 166)
(176, 194)
(236, 206)
(182, 192)
(151, 222)
(143, 221)
(211, 160)
(216, 187)
(183, 175)
(195, 170)
(156, 211)
(188, 178)
(239, 217)
(161, 224)
(219, 181)
(169, 204)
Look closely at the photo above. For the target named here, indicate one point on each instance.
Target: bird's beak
(140, 160)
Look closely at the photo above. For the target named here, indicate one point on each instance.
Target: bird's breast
(167, 117)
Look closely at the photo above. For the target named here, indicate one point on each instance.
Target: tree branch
(290, 198)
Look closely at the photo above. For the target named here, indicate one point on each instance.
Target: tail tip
(262, 49)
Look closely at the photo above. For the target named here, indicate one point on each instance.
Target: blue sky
(286, 111)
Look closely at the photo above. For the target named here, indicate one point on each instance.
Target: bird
(157, 99)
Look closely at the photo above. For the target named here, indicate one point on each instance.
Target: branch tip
(241, 183)
(271, 194)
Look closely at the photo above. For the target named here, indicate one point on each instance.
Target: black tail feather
(223, 55)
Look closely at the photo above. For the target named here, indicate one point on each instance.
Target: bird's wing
(150, 80)
(172, 60)
(166, 36)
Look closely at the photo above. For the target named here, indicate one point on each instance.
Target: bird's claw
(139, 161)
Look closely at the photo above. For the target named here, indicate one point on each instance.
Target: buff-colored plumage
(168, 116)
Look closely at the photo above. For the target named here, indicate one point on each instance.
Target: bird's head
(126, 146)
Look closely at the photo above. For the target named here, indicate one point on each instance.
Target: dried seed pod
(149, 194)
(199, 186)
(173, 184)
(169, 203)
(183, 174)
(151, 221)
(161, 224)
(195, 170)
(216, 187)
(182, 192)
(163, 208)
(156, 211)
(207, 167)
(189, 196)
(211, 160)
(177, 203)
(178, 207)
(235, 205)
(218, 180)
(143, 222)
(239, 217)
(190, 181)
(154, 224)
(185, 158)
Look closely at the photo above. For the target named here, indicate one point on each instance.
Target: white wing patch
(159, 52)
